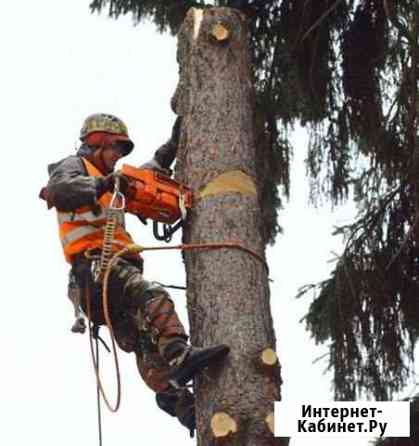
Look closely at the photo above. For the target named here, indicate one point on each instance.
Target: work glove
(166, 154)
(107, 184)
(124, 183)
(153, 164)
(44, 195)
(174, 138)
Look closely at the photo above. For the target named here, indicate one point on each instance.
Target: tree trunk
(228, 291)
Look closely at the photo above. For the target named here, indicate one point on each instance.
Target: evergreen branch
(404, 243)
(402, 28)
(318, 22)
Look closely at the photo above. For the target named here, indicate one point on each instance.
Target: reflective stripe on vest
(78, 233)
(88, 216)
(68, 217)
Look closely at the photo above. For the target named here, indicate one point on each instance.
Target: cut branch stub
(223, 425)
(219, 32)
(267, 360)
(270, 422)
(198, 15)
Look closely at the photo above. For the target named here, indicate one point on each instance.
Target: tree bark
(227, 289)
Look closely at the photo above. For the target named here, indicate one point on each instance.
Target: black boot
(179, 403)
(187, 361)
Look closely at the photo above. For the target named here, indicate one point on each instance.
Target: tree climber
(143, 316)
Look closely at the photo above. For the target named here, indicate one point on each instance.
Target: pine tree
(227, 289)
(348, 70)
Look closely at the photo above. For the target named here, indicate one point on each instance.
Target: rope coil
(108, 236)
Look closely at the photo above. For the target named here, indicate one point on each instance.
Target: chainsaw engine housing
(155, 195)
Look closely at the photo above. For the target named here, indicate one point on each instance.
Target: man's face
(110, 156)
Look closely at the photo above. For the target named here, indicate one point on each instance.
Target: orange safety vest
(83, 229)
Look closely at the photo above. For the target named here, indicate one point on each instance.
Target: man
(143, 315)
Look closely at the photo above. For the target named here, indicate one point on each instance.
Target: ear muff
(103, 139)
(97, 139)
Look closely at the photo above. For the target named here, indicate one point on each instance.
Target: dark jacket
(70, 187)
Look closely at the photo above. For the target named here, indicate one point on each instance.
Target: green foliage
(166, 14)
(369, 308)
(349, 71)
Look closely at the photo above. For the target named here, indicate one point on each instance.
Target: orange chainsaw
(156, 196)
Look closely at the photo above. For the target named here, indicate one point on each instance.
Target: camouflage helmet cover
(102, 122)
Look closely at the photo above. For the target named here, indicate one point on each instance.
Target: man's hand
(107, 184)
(124, 182)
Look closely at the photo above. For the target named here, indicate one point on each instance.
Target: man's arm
(69, 187)
(166, 154)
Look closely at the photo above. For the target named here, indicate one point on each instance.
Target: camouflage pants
(142, 315)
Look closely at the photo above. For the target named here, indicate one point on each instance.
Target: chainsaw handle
(168, 231)
(165, 237)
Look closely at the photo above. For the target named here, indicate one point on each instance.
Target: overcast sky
(59, 63)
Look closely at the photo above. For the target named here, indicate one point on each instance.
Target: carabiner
(117, 194)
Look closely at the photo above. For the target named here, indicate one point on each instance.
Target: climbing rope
(99, 411)
(189, 247)
(95, 358)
